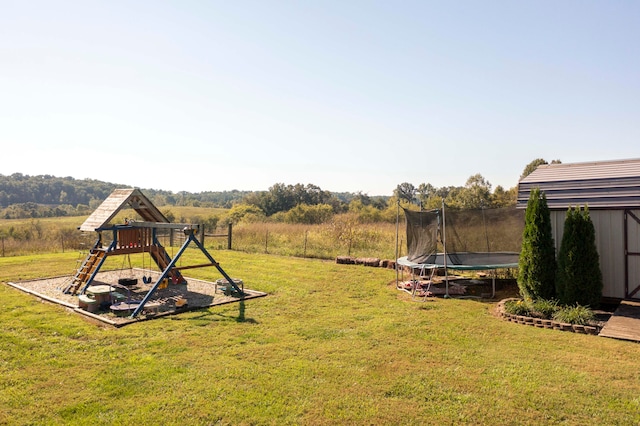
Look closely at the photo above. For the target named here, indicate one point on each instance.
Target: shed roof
(119, 199)
(611, 184)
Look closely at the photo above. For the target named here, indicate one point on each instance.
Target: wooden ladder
(85, 270)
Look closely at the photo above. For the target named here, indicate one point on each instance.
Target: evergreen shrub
(579, 279)
(537, 263)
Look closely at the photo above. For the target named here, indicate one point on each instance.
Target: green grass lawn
(331, 344)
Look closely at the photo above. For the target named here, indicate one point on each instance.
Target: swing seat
(123, 309)
(128, 281)
(117, 297)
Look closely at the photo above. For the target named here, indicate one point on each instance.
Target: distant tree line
(24, 196)
(18, 189)
(46, 189)
(475, 194)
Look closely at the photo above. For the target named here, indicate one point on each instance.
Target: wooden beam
(202, 265)
(128, 250)
(162, 225)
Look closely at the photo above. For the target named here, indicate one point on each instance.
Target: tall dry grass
(343, 236)
(324, 241)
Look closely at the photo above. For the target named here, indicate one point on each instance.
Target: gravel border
(198, 294)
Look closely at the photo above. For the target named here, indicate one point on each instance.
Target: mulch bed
(198, 294)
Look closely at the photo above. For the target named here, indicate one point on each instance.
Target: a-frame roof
(119, 199)
(613, 184)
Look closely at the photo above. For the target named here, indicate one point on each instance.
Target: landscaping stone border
(544, 323)
(366, 261)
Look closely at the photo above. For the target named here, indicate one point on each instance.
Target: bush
(577, 314)
(518, 307)
(539, 309)
(550, 309)
(545, 308)
(579, 279)
(304, 213)
(537, 264)
(243, 213)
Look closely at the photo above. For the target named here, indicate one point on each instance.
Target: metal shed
(611, 190)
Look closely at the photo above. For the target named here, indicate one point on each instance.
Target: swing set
(140, 237)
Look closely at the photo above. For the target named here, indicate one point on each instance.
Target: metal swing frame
(190, 233)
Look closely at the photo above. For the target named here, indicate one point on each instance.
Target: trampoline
(464, 240)
(465, 261)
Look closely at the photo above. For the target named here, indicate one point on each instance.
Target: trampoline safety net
(474, 238)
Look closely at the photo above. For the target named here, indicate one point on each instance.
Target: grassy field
(319, 241)
(324, 241)
(344, 235)
(32, 235)
(331, 344)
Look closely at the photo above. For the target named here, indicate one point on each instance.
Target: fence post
(304, 255)
(62, 240)
(229, 236)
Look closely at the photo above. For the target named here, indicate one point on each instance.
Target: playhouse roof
(119, 199)
(602, 184)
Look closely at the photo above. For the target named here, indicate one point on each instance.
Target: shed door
(632, 253)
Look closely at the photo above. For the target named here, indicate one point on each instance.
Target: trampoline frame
(446, 265)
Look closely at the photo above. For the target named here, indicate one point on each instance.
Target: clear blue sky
(347, 95)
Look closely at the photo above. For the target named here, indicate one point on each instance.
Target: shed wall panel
(610, 244)
(633, 231)
(608, 225)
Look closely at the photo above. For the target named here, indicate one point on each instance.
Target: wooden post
(171, 237)
(229, 236)
(201, 229)
(304, 255)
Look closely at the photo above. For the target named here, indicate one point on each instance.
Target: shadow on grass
(241, 317)
(208, 316)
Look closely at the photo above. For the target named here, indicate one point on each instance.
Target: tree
(476, 193)
(504, 198)
(537, 263)
(347, 230)
(405, 191)
(282, 198)
(304, 213)
(425, 191)
(434, 202)
(579, 279)
(529, 168)
(365, 213)
(243, 213)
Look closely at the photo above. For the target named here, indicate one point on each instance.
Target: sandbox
(168, 300)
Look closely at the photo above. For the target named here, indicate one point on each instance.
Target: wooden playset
(139, 236)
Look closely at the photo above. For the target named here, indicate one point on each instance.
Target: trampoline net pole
(444, 249)
(397, 236)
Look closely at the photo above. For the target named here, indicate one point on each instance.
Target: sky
(348, 95)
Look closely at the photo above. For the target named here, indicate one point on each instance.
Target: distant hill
(45, 195)
(23, 196)
(46, 189)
